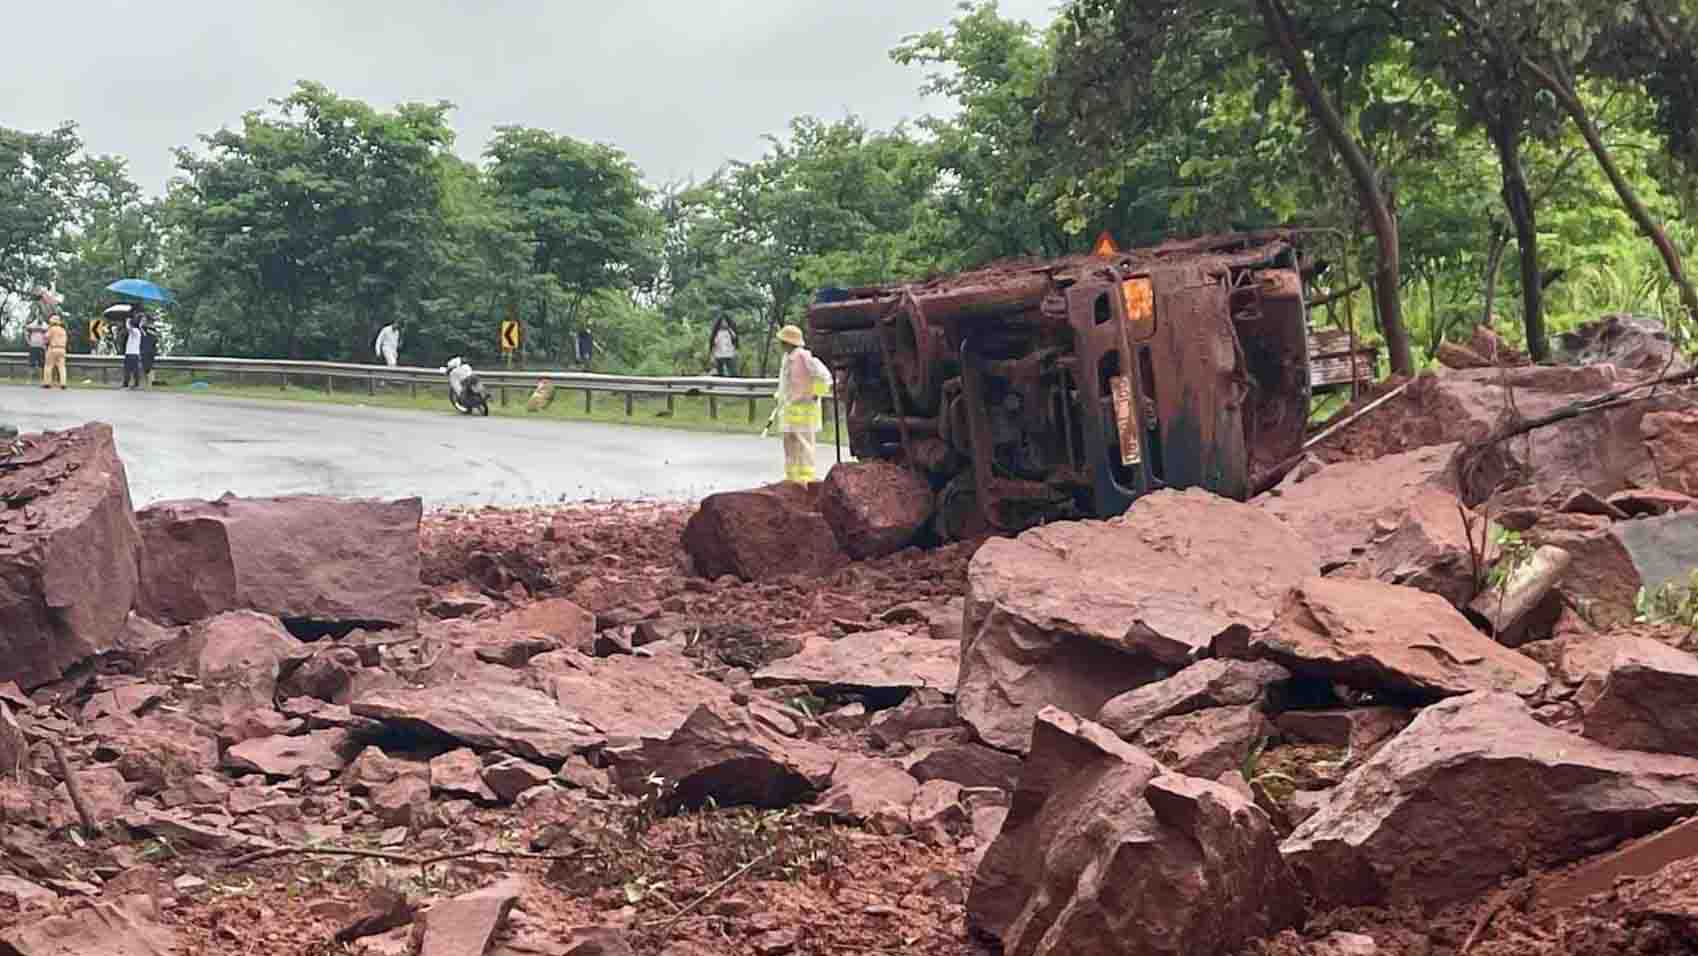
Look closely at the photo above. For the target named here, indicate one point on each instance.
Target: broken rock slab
(459, 773)
(1380, 637)
(485, 717)
(1206, 743)
(875, 792)
(320, 560)
(237, 659)
(629, 698)
(1472, 790)
(1396, 519)
(969, 765)
(69, 549)
(128, 926)
(1103, 851)
(466, 925)
(1216, 682)
(887, 660)
(1645, 700)
(1636, 343)
(1076, 613)
(765, 533)
(875, 508)
(293, 756)
(722, 752)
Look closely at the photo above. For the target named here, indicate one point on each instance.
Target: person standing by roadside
(802, 381)
(35, 336)
(149, 351)
(57, 340)
(723, 342)
(133, 350)
(389, 344)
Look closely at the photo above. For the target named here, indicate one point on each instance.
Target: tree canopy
(1426, 145)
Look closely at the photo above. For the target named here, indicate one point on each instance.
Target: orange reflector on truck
(1140, 299)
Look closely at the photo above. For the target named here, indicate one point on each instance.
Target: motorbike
(465, 391)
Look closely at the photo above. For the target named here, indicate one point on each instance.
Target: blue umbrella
(142, 289)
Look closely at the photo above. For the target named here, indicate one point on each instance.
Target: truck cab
(1038, 391)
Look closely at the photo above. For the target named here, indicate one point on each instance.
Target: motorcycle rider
(460, 374)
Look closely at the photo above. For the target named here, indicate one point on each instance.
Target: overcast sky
(681, 86)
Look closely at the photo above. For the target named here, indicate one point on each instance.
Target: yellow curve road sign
(97, 329)
(509, 336)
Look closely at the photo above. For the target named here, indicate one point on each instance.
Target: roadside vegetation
(1456, 158)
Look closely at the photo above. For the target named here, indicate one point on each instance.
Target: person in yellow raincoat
(802, 381)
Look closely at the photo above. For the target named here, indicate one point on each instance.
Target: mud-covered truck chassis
(1068, 388)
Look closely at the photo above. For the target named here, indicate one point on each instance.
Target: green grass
(686, 412)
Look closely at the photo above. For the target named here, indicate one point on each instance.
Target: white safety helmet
(454, 363)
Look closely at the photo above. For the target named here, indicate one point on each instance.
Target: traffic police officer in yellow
(802, 381)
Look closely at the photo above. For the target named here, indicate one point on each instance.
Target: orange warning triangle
(1105, 245)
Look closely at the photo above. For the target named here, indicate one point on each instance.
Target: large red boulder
(68, 552)
(1396, 519)
(1473, 791)
(1601, 452)
(1383, 638)
(1076, 613)
(763, 533)
(1644, 700)
(308, 558)
(1103, 851)
(875, 507)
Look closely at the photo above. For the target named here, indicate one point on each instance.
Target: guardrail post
(671, 408)
(415, 387)
(329, 384)
(751, 409)
(103, 379)
(713, 407)
(630, 399)
(503, 390)
(371, 385)
(589, 394)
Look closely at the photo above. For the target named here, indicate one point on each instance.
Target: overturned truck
(1063, 389)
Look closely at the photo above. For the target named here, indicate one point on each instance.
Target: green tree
(317, 222)
(1130, 68)
(39, 177)
(585, 211)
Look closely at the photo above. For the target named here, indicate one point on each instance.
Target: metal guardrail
(367, 378)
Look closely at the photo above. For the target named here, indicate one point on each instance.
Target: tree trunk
(1518, 201)
(1494, 265)
(1387, 286)
(1563, 90)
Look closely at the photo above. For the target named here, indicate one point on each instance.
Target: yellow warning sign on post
(96, 329)
(509, 336)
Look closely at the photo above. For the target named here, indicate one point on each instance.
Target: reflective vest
(803, 380)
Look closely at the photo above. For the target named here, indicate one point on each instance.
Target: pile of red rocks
(862, 510)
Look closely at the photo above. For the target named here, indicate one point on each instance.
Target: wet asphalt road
(180, 446)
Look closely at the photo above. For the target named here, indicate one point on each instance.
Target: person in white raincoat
(802, 381)
(389, 344)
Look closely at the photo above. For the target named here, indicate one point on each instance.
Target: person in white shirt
(133, 351)
(35, 335)
(723, 341)
(389, 344)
